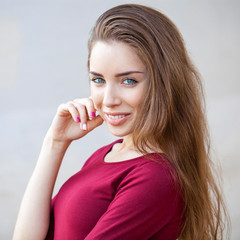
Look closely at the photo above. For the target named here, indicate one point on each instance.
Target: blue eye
(98, 80)
(129, 81)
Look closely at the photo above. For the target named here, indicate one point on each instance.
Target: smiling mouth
(117, 119)
(116, 116)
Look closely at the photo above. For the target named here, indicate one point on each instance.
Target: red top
(132, 199)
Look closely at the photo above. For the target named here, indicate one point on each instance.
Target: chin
(118, 132)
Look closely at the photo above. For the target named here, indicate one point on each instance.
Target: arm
(34, 214)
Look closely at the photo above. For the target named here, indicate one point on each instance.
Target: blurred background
(43, 53)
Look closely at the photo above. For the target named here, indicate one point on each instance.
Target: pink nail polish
(93, 114)
(78, 119)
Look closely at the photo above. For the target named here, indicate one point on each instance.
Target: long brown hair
(173, 112)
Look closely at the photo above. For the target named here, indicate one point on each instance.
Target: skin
(117, 91)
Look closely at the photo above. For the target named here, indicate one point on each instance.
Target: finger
(82, 112)
(91, 111)
(68, 109)
(97, 121)
(92, 108)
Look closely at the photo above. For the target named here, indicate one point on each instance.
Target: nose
(112, 96)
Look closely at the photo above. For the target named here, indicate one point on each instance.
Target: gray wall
(43, 51)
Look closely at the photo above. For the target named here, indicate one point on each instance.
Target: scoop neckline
(124, 161)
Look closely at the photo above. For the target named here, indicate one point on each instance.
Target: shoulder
(152, 186)
(156, 167)
(155, 174)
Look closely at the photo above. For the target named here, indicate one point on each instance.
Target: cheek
(136, 99)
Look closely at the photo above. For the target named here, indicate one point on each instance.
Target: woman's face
(118, 85)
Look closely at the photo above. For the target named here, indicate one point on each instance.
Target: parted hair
(172, 116)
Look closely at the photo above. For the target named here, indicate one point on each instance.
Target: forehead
(114, 55)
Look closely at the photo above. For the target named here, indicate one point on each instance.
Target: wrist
(56, 144)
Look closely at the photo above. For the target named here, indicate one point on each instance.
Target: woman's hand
(74, 119)
(34, 214)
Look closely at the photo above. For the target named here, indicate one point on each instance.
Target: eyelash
(101, 81)
(133, 81)
(95, 80)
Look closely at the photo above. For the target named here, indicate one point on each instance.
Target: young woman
(156, 181)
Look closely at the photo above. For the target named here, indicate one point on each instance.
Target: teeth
(116, 116)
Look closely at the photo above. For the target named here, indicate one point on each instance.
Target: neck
(127, 144)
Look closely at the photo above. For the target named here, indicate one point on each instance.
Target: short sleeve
(147, 204)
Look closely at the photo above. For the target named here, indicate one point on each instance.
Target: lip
(117, 118)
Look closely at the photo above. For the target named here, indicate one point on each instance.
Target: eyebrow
(117, 75)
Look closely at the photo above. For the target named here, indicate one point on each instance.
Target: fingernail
(93, 114)
(78, 119)
(84, 126)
